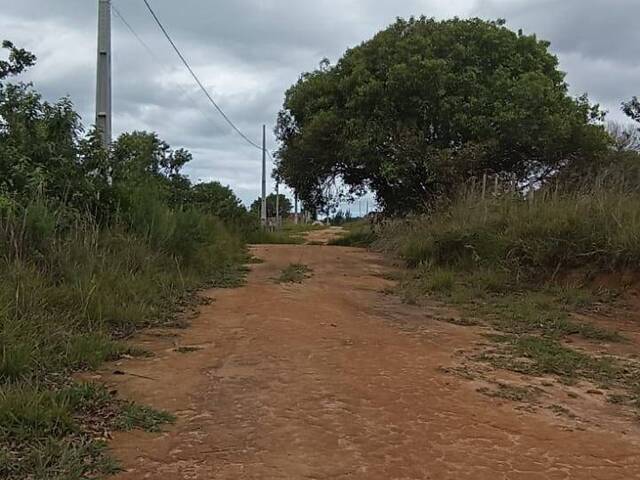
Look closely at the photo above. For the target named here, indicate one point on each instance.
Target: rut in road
(333, 379)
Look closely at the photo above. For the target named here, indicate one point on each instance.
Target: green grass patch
(507, 306)
(56, 434)
(536, 355)
(539, 356)
(295, 273)
(139, 417)
(514, 393)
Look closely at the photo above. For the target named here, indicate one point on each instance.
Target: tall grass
(69, 287)
(72, 291)
(596, 229)
(359, 233)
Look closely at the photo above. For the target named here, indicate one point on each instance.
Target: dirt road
(333, 379)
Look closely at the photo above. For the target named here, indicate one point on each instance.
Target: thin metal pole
(263, 215)
(296, 215)
(484, 186)
(277, 204)
(103, 83)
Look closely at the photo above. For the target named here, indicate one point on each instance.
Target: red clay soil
(333, 379)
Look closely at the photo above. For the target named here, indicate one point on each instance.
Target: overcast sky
(247, 52)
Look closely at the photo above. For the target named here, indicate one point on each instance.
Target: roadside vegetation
(295, 273)
(525, 268)
(359, 233)
(94, 245)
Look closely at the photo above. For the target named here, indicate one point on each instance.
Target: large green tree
(218, 200)
(142, 157)
(426, 104)
(284, 206)
(43, 148)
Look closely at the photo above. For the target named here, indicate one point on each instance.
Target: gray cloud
(594, 29)
(248, 52)
(597, 42)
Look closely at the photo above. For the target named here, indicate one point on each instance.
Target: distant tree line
(45, 151)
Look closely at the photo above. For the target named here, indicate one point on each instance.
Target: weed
(533, 355)
(76, 458)
(500, 259)
(90, 351)
(438, 280)
(229, 276)
(539, 312)
(563, 411)
(134, 417)
(294, 273)
(513, 393)
(354, 239)
(618, 399)
(461, 322)
(187, 349)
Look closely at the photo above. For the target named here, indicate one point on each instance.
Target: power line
(195, 77)
(135, 34)
(157, 59)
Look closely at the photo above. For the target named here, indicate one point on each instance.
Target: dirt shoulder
(331, 378)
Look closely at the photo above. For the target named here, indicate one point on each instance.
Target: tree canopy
(426, 104)
(632, 109)
(218, 200)
(285, 206)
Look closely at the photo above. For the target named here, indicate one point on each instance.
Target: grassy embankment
(359, 234)
(524, 269)
(71, 293)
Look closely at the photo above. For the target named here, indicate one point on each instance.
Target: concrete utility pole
(263, 216)
(103, 84)
(296, 215)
